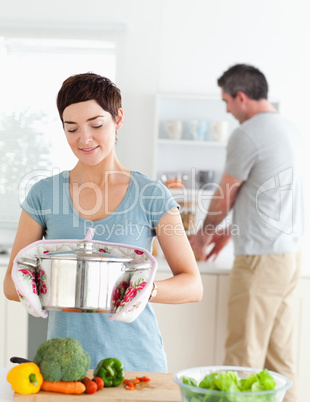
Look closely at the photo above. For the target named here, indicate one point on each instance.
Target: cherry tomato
(85, 380)
(145, 378)
(91, 387)
(99, 381)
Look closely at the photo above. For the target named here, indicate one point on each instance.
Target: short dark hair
(244, 78)
(89, 86)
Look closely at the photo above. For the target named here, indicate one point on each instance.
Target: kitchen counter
(224, 263)
(161, 389)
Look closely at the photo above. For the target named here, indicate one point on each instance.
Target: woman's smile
(88, 150)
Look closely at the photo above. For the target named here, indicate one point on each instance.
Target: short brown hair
(244, 78)
(89, 86)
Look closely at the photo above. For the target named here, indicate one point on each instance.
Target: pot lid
(85, 252)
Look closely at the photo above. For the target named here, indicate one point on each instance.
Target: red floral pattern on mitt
(124, 294)
(41, 281)
(30, 274)
(118, 294)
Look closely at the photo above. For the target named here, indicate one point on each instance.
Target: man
(262, 183)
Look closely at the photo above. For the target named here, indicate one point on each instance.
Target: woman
(122, 206)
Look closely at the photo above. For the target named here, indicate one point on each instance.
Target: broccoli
(62, 359)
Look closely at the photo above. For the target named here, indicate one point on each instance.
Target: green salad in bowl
(231, 384)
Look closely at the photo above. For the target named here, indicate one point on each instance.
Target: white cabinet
(188, 329)
(194, 334)
(13, 328)
(187, 153)
(302, 336)
(2, 320)
(222, 297)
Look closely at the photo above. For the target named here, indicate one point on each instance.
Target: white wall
(202, 38)
(182, 46)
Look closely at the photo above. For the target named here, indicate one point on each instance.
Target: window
(32, 142)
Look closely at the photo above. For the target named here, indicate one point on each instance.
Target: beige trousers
(261, 314)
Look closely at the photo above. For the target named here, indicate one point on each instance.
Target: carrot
(64, 387)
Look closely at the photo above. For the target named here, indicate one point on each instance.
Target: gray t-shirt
(265, 152)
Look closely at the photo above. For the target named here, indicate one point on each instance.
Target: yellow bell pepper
(26, 378)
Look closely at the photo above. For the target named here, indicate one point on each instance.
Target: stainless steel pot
(81, 280)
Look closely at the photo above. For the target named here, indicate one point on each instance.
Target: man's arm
(221, 203)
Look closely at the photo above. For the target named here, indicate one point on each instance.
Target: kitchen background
(177, 48)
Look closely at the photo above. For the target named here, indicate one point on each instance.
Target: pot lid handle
(85, 246)
(90, 234)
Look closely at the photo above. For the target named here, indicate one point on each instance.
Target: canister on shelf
(173, 179)
(188, 216)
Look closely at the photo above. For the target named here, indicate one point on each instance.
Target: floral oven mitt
(129, 296)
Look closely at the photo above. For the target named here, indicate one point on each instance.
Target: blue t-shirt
(138, 344)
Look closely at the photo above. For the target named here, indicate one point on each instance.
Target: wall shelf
(187, 153)
(191, 143)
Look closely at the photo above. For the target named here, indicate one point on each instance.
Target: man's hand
(219, 241)
(199, 243)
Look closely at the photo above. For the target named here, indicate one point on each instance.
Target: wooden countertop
(161, 388)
